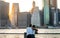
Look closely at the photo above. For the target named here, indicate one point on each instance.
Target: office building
(24, 19)
(35, 19)
(53, 12)
(14, 15)
(46, 12)
(4, 10)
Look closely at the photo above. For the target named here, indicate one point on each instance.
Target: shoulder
(28, 27)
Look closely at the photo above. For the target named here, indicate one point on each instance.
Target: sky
(26, 5)
(58, 4)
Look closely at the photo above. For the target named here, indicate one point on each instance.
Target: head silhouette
(30, 25)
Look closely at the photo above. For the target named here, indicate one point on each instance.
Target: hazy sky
(26, 5)
(58, 4)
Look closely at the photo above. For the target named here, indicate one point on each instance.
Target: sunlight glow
(26, 5)
(10, 11)
(10, 8)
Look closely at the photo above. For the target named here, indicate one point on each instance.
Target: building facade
(35, 19)
(53, 12)
(50, 12)
(14, 15)
(24, 19)
(4, 10)
(46, 12)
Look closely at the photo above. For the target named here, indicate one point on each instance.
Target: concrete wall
(36, 36)
(19, 33)
(24, 30)
(11, 36)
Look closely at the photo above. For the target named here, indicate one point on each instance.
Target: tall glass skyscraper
(50, 12)
(53, 12)
(46, 12)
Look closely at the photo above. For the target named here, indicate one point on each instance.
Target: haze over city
(17, 15)
(26, 5)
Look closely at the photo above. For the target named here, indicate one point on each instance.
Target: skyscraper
(50, 12)
(46, 12)
(4, 10)
(53, 12)
(33, 6)
(35, 19)
(14, 15)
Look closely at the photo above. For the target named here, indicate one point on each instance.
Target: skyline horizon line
(25, 8)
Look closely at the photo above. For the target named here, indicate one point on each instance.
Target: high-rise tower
(4, 10)
(50, 12)
(14, 15)
(33, 6)
(53, 12)
(46, 12)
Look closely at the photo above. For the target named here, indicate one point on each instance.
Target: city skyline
(27, 5)
(47, 15)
